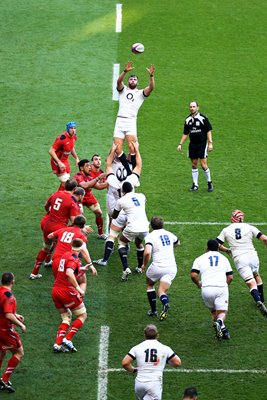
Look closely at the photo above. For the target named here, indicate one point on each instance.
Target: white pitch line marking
(103, 364)
(209, 223)
(118, 17)
(204, 370)
(116, 73)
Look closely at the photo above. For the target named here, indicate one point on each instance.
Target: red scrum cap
(238, 216)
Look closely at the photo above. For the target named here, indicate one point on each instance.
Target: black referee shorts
(198, 150)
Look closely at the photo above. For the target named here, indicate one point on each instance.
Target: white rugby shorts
(215, 297)
(131, 236)
(121, 220)
(247, 264)
(164, 274)
(124, 127)
(148, 390)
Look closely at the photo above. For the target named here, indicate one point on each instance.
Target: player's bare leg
(130, 139)
(119, 143)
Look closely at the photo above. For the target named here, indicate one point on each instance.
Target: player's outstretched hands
(151, 69)
(129, 66)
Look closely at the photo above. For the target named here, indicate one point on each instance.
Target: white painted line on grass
(118, 17)
(116, 73)
(103, 364)
(205, 370)
(208, 223)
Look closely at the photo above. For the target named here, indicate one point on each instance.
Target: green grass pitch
(56, 65)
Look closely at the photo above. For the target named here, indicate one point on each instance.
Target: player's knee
(66, 317)
(19, 353)
(122, 244)
(81, 312)
(139, 244)
(113, 235)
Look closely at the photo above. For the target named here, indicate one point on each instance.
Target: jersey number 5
(57, 204)
(135, 201)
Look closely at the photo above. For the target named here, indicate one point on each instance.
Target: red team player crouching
(87, 182)
(65, 236)
(9, 338)
(62, 207)
(67, 293)
(60, 150)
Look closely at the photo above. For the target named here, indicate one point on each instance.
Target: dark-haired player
(67, 293)
(117, 174)
(64, 238)
(61, 207)
(130, 100)
(134, 207)
(198, 128)
(87, 182)
(9, 338)
(216, 274)
(159, 244)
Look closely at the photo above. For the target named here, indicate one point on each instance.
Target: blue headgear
(70, 124)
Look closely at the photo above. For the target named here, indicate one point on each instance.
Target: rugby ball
(138, 48)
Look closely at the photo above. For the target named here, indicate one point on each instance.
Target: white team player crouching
(159, 245)
(136, 229)
(115, 182)
(216, 275)
(239, 236)
(151, 357)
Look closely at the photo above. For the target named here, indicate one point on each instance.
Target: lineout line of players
(128, 222)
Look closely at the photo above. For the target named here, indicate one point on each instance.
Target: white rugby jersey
(114, 185)
(130, 100)
(134, 206)
(162, 247)
(151, 357)
(239, 236)
(213, 267)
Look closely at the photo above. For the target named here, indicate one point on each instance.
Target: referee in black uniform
(198, 128)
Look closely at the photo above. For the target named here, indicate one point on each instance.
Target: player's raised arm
(151, 84)
(128, 67)
(110, 159)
